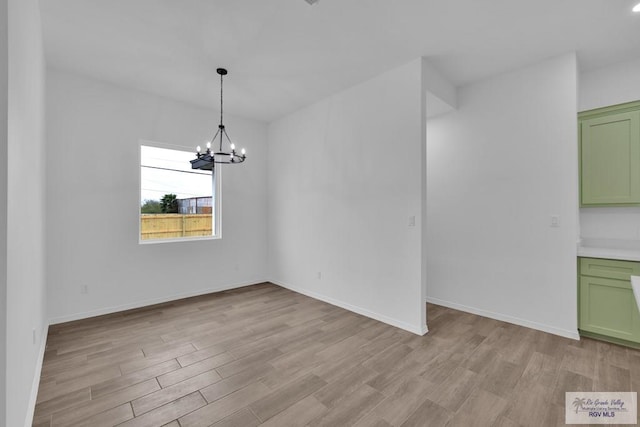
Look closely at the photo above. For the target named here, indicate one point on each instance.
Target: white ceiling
(285, 54)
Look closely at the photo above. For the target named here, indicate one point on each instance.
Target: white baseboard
(506, 318)
(35, 386)
(144, 303)
(359, 310)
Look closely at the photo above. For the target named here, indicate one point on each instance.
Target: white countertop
(626, 250)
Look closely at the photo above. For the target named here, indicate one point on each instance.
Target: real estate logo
(601, 407)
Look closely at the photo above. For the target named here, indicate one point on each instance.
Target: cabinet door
(608, 307)
(610, 159)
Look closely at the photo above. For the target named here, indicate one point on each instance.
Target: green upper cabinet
(610, 156)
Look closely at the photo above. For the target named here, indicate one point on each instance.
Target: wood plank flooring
(263, 355)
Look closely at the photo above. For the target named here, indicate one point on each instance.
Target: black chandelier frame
(208, 159)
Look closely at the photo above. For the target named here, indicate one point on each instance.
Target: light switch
(412, 221)
(555, 220)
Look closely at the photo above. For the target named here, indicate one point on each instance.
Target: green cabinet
(607, 307)
(610, 155)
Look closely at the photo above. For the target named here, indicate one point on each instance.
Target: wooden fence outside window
(171, 226)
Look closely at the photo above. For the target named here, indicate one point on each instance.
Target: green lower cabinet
(607, 305)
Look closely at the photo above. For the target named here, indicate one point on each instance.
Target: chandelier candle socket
(208, 159)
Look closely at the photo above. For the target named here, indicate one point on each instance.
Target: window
(176, 202)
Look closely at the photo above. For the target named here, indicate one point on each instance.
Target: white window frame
(216, 197)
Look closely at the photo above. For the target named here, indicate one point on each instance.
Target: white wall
(611, 85)
(497, 169)
(344, 176)
(26, 290)
(621, 223)
(4, 64)
(94, 130)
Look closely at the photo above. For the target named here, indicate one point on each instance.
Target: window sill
(180, 240)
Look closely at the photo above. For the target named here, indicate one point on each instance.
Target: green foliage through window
(169, 203)
(151, 207)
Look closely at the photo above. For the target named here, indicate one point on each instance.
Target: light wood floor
(263, 355)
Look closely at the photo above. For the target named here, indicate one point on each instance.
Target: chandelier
(209, 158)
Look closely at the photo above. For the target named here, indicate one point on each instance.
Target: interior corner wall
(498, 168)
(344, 178)
(439, 89)
(94, 130)
(603, 87)
(26, 290)
(4, 65)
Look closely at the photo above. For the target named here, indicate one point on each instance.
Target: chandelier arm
(215, 136)
(227, 136)
(231, 151)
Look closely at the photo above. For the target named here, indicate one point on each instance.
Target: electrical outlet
(555, 220)
(412, 221)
